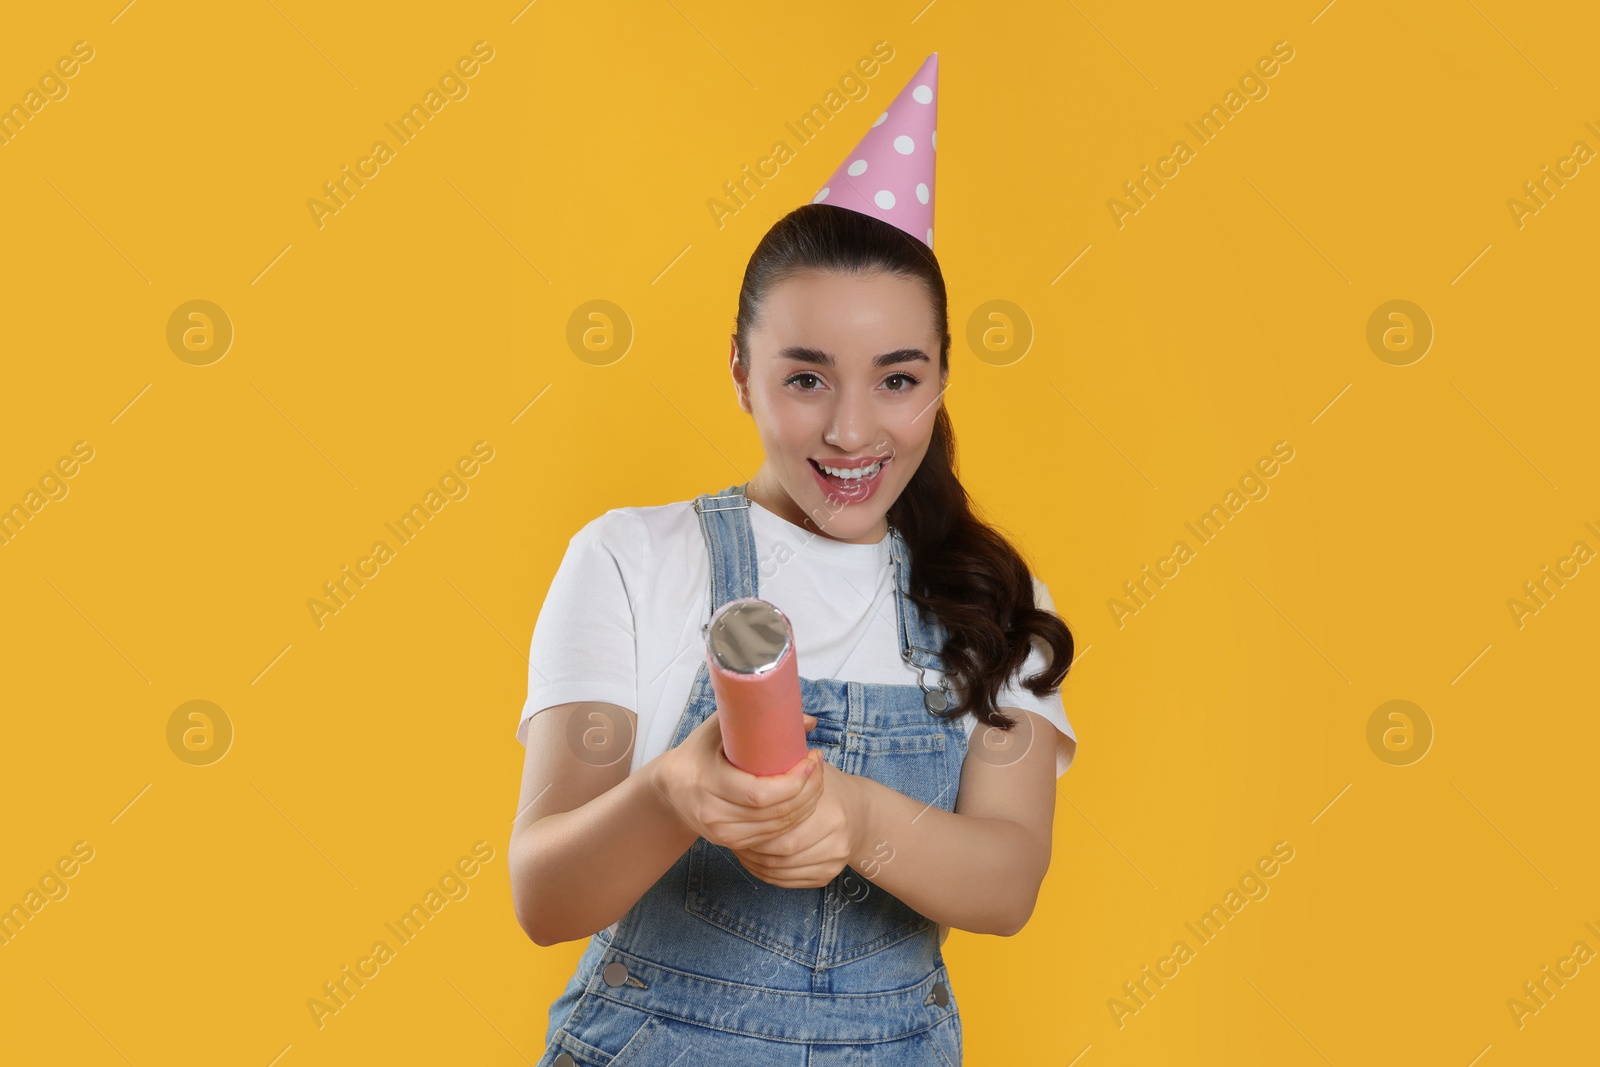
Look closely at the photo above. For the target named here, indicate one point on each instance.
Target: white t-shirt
(621, 622)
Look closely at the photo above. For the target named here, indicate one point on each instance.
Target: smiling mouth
(854, 484)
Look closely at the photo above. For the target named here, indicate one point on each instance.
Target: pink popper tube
(751, 656)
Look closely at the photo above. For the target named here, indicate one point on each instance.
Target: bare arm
(978, 868)
(588, 840)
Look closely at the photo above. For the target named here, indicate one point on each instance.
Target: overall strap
(921, 635)
(730, 544)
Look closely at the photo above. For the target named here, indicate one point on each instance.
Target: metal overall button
(564, 1060)
(939, 996)
(615, 973)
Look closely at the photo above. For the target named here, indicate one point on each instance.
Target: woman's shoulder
(626, 530)
(656, 551)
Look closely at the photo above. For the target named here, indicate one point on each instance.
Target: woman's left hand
(811, 854)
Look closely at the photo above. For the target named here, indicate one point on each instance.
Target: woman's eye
(808, 377)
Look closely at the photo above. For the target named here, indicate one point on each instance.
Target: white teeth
(852, 475)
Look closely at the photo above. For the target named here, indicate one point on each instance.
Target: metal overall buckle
(935, 700)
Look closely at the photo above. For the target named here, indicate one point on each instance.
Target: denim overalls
(715, 966)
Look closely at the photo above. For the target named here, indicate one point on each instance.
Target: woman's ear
(741, 376)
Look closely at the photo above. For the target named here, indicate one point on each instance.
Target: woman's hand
(730, 807)
(813, 853)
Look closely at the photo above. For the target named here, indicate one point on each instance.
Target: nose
(851, 426)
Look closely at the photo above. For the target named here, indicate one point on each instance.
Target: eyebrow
(817, 356)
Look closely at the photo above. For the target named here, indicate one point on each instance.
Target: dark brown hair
(963, 570)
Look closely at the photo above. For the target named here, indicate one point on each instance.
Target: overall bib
(715, 966)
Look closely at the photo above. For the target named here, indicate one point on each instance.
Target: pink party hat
(889, 175)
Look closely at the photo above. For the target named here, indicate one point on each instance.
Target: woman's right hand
(730, 807)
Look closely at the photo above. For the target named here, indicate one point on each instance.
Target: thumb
(808, 720)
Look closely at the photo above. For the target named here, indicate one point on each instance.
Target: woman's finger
(760, 791)
(757, 823)
(777, 816)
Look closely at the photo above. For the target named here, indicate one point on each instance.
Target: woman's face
(843, 373)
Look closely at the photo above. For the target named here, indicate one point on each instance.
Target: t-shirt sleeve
(583, 644)
(1014, 695)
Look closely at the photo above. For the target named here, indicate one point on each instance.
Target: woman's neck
(764, 489)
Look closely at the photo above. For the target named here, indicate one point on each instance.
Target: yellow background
(1229, 313)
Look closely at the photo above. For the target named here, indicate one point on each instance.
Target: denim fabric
(714, 965)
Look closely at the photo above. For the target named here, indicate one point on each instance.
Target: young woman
(791, 919)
